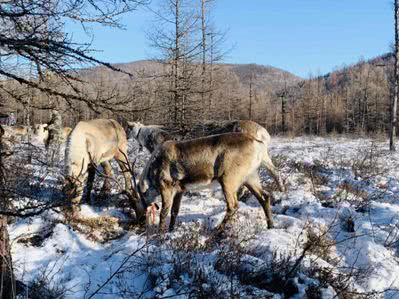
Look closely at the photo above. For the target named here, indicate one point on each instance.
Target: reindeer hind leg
(123, 162)
(267, 162)
(254, 185)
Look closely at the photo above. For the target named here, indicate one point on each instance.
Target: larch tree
(35, 47)
(175, 38)
(394, 104)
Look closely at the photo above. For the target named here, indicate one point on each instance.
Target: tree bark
(176, 64)
(394, 104)
(250, 96)
(7, 281)
(203, 31)
(283, 112)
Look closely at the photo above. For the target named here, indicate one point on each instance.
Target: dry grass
(101, 229)
(319, 242)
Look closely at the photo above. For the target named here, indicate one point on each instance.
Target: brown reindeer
(152, 136)
(231, 159)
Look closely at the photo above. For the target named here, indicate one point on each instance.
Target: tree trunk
(203, 31)
(283, 112)
(210, 70)
(250, 97)
(7, 282)
(176, 66)
(394, 105)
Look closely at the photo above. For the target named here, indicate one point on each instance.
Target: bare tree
(7, 282)
(32, 34)
(204, 50)
(283, 97)
(251, 93)
(212, 42)
(176, 40)
(394, 104)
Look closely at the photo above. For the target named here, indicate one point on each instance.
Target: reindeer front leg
(167, 199)
(108, 174)
(73, 190)
(175, 210)
(91, 170)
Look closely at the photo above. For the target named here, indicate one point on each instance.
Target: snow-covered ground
(336, 231)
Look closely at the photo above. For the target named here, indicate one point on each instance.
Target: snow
(329, 181)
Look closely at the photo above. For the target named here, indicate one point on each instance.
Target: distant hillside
(354, 98)
(264, 77)
(347, 75)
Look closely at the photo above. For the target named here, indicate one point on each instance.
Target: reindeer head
(134, 128)
(137, 198)
(148, 193)
(40, 131)
(72, 190)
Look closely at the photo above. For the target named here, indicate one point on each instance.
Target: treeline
(353, 99)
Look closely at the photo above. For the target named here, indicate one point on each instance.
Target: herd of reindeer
(229, 156)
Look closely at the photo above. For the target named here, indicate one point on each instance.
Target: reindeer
(40, 132)
(148, 136)
(89, 144)
(231, 159)
(152, 136)
(14, 133)
(5, 144)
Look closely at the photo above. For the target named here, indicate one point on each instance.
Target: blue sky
(301, 36)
